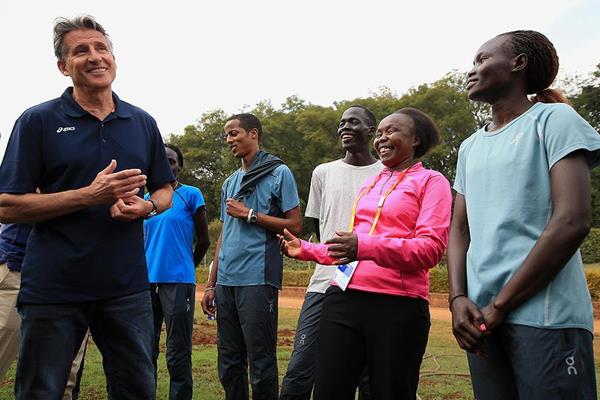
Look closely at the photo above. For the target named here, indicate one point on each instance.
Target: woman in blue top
(518, 295)
(172, 257)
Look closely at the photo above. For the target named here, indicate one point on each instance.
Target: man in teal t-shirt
(257, 201)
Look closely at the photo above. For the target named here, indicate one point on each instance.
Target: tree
(207, 161)
(305, 135)
(586, 101)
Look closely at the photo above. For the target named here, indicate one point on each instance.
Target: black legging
(387, 333)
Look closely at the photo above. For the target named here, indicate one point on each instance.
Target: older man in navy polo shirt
(90, 154)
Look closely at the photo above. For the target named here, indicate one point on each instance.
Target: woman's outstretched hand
(289, 244)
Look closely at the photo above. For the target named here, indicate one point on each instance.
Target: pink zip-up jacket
(410, 237)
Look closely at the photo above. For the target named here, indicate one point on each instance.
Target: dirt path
(291, 302)
(293, 298)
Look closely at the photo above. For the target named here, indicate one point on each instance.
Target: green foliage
(207, 161)
(593, 279)
(585, 96)
(214, 229)
(446, 102)
(297, 265)
(305, 135)
(201, 275)
(295, 273)
(295, 277)
(590, 248)
(438, 276)
(298, 273)
(438, 279)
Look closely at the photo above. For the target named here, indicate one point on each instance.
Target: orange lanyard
(381, 201)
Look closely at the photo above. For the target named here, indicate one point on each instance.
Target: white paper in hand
(343, 273)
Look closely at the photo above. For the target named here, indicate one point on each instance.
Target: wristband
(154, 210)
(454, 298)
(206, 289)
(251, 216)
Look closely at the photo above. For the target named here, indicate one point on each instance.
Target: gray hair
(62, 26)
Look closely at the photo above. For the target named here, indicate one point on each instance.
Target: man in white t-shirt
(333, 188)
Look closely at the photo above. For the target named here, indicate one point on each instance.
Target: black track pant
(174, 303)
(387, 333)
(247, 336)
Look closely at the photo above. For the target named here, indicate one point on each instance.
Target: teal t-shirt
(505, 178)
(249, 254)
(169, 238)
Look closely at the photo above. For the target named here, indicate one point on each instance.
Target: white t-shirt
(333, 188)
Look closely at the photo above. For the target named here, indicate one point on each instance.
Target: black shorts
(522, 362)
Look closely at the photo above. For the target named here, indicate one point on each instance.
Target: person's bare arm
(291, 220)
(208, 300)
(163, 197)
(202, 238)
(567, 228)
(466, 316)
(107, 187)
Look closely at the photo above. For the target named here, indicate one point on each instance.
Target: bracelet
(454, 298)
(209, 288)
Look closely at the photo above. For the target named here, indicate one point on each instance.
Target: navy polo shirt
(58, 146)
(13, 240)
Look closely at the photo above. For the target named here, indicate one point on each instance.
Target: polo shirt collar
(122, 109)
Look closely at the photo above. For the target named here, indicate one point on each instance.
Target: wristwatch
(154, 210)
(251, 216)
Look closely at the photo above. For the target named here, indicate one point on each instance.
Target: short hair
(425, 129)
(62, 26)
(542, 63)
(370, 116)
(177, 151)
(248, 122)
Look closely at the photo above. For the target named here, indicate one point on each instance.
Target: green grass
(442, 357)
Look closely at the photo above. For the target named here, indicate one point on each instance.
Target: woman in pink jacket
(399, 230)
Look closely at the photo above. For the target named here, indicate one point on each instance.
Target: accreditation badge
(344, 273)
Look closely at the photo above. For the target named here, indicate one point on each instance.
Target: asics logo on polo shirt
(65, 129)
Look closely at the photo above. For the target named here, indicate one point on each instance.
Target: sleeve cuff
(365, 246)
(305, 250)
